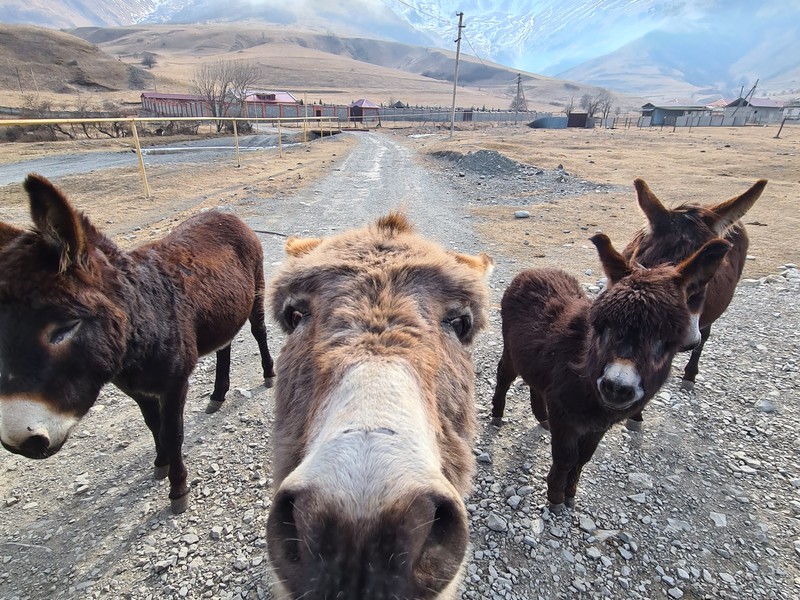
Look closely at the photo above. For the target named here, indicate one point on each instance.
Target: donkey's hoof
(179, 505)
(686, 385)
(213, 406)
(497, 421)
(633, 425)
(269, 382)
(569, 502)
(556, 509)
(161, 472)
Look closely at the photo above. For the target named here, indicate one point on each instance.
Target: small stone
(587, 524)
(216, 532)
(626, 554)
(641, 481)
(244, 393)
(484, 458)
(675, 593)
(11, 500)
(593, 553)
(766, 406)
(522, 214)
(640, 498)
(720, 520)
(514, 501)
(727, 578)
(557, 532)
(496, 523)
(191, 538)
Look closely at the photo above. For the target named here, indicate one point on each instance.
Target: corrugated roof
(157, 96)
(280, 97)
(364, 103)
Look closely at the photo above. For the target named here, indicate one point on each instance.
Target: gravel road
(704, 503)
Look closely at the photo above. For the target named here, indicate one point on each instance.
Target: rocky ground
(703, 503)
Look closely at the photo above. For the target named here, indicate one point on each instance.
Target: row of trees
(224, 80)
(594, 104)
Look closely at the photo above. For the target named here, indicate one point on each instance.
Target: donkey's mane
(395, 223)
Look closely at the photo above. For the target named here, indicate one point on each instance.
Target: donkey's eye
(461, 324)
(64, 332)
(294, 315)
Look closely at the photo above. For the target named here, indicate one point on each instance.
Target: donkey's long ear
(57, 221)
(730, 211)
(651, 206)
(614, 264)
(699, 268)
(483, 263)
(7, 234)
(297, 246)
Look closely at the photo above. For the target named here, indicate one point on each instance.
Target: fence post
(280, 145)
(141, 158)
(236, 141)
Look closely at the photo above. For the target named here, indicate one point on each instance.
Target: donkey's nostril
(617, 391)
(35, 446)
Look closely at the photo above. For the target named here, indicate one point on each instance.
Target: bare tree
(590, 103)
(519, 104)
(570, 107)
(223, 84)
(606, 103)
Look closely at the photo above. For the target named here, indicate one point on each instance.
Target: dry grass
(114, 198)
(705, 165)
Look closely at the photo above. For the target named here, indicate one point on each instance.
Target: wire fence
(321, 126)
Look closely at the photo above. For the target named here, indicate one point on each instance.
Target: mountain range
(651, 48)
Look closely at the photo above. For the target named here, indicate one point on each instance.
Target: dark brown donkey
(592, 364)
(374, 415)
(674, 234)
(76, 312)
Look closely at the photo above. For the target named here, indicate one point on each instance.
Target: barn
(668, 112)
(756, 110)
(271, 104)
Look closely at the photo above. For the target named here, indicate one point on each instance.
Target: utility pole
(455, 77)
(516, 102)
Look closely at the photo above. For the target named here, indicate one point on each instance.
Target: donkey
(77, 312)
(674, 234)
(374, 414)
(592, 364)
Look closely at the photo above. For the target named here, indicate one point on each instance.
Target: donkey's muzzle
(35, 446)
(620, 385)
(412, 548)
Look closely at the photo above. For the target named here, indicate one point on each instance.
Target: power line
(422, 12)
(474, 51)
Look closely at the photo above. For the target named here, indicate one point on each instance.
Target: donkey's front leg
(151, 411)
(171, 441)
(564, 448)
(586, 448)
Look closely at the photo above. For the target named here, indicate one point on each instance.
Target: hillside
(44, 60)
(333, 68)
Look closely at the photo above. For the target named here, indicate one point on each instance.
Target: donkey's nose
(35, 446)
(617, 392)
(405, 548)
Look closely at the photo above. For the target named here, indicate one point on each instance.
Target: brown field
(705, 165)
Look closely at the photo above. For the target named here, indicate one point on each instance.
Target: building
(363, 110)
(756, 110)
(174, 105)
(668, 112)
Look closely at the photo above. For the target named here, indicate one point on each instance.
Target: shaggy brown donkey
(374, 415)
(592, 364)
(77, 312)
(674, 234)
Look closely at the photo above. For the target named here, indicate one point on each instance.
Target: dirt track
(90, 522)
